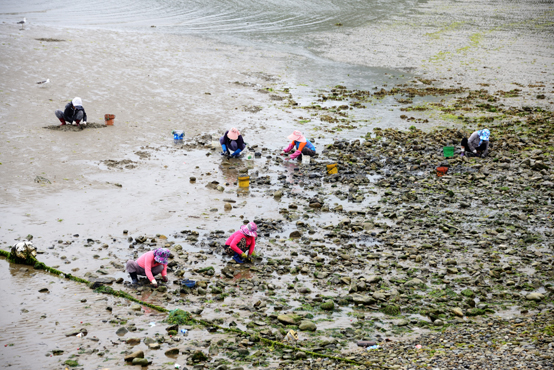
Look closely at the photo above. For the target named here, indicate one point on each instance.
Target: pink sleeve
(148, 267)
(164, 272)
(235, 239)
(295, 154)
(252, 245)
(289, 148)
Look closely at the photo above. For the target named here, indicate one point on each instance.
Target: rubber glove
(287, 159)
(75, 123)
(67, 123)
(243, 256)
(84, 123)
(236, 153)
(154, 282)
(224, 147)
(474, 151)
(253, 254)
(164, 278)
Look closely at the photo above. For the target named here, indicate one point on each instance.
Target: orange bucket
(441, 171)
(109, 119)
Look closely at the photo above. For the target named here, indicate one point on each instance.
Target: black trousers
(479, 149)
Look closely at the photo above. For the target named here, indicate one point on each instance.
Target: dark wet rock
(198, 356)
(133, 341)
(172, 351)
(295, 234)
(121, 331)
(44, 290)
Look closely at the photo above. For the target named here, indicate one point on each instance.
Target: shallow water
(246, 18)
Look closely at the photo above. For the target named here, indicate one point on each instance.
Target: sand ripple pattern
(206, 17)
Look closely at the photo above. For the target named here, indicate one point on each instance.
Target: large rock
(458, 312)
(198, 356)
(132, 356)
(307, 325)
(413, 282)
(141, 361)
(379, 296)
(534, 296)
(373, 279)
(288, 319)
(172, 351)
(362, 299)
(328, 305)
(133, 341)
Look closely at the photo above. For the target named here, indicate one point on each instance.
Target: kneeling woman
(241, 241)
(477, 144)
(302, 145)
(232, 143)
(149, 264)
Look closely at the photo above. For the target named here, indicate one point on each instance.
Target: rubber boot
(62, 121)
(237, 258)
(134, 278)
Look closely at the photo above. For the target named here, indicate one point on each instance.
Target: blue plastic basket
(188, 283)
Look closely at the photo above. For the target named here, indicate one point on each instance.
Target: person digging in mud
(302, 145)
(149, 264)
(232, 143)
(244, 239)
(73, 114)
(477, 145)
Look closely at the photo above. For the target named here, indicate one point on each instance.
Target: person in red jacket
(149, 264)
(242, 241)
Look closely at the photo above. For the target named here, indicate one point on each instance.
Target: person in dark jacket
(477, 145)
(74, 113)
(232, 143)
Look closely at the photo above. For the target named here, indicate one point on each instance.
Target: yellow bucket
(244, 181)
(332, 169)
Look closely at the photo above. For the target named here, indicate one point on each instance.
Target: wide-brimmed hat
(233, 134)
(250, 229)
(297, 136)
(77, 102)
(161, 255)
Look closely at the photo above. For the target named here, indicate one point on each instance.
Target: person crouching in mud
(149, 264)
(73, 114)
(232, 143)
(241, 241)
(302, 145)
(477, 145)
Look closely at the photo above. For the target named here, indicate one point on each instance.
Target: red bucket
(441, 171)
(109, 119)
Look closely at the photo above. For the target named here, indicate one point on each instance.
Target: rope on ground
(119, 293)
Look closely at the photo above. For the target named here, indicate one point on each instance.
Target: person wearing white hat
(74, 113)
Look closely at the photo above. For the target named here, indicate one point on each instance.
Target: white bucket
(306, 159)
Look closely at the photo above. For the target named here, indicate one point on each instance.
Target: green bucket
(448, 151)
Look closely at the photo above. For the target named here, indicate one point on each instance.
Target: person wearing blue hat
(477, 145)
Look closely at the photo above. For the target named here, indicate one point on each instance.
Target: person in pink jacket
(241, 241)
(149, 264)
